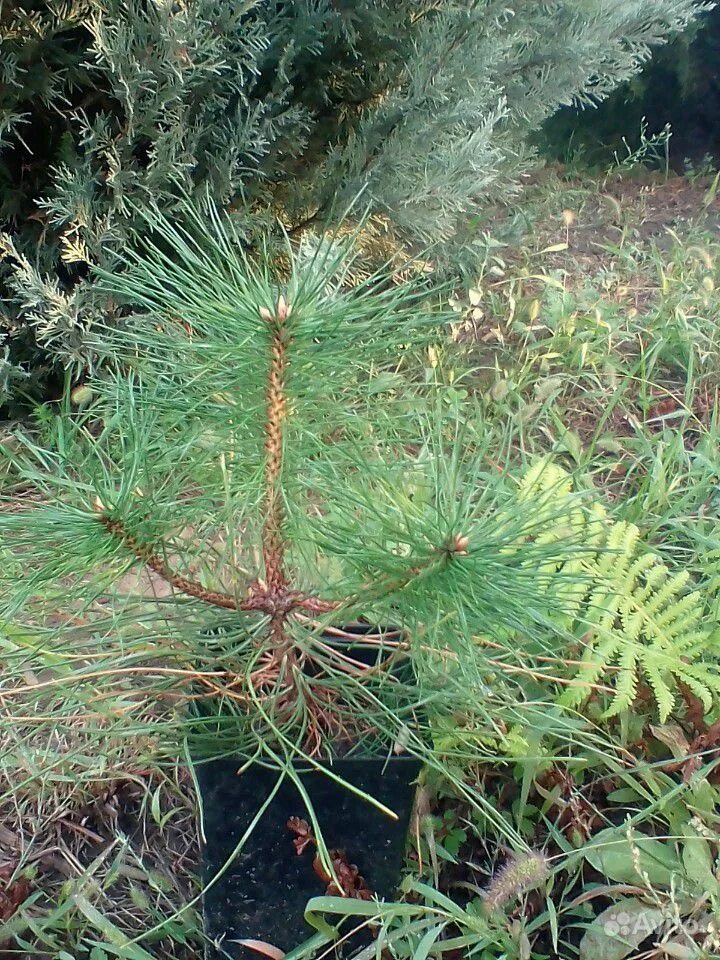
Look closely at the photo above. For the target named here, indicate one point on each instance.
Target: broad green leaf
(698, 863)
(623, 795)
(612, 854)
(552, 922)
(617, 931)
(312, 944)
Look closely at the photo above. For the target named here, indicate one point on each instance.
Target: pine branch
(259, 600)
(457, 546)
(158, 565)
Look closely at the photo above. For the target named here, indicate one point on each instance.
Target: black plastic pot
(262, 895)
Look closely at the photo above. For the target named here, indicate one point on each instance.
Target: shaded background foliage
(681, 86)
(281, 110)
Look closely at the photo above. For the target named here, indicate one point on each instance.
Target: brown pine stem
(316, 604)
(276, 407)
(258, 598)
(156, 563)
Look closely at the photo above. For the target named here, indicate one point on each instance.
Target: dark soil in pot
(262, 895)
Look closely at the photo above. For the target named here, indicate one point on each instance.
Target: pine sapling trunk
(273, 545)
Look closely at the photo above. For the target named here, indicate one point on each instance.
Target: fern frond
(635, 615)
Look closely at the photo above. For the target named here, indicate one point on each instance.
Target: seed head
(520, 874)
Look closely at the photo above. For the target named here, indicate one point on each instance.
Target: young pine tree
(285, 110)
(269, 446)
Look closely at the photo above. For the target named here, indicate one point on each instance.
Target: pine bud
(460, 544)
(266, 315)
(283, 309)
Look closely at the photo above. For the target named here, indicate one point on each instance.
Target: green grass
(593, 331)
(610, 356)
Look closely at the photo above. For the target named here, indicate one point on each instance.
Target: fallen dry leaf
(263, 948)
